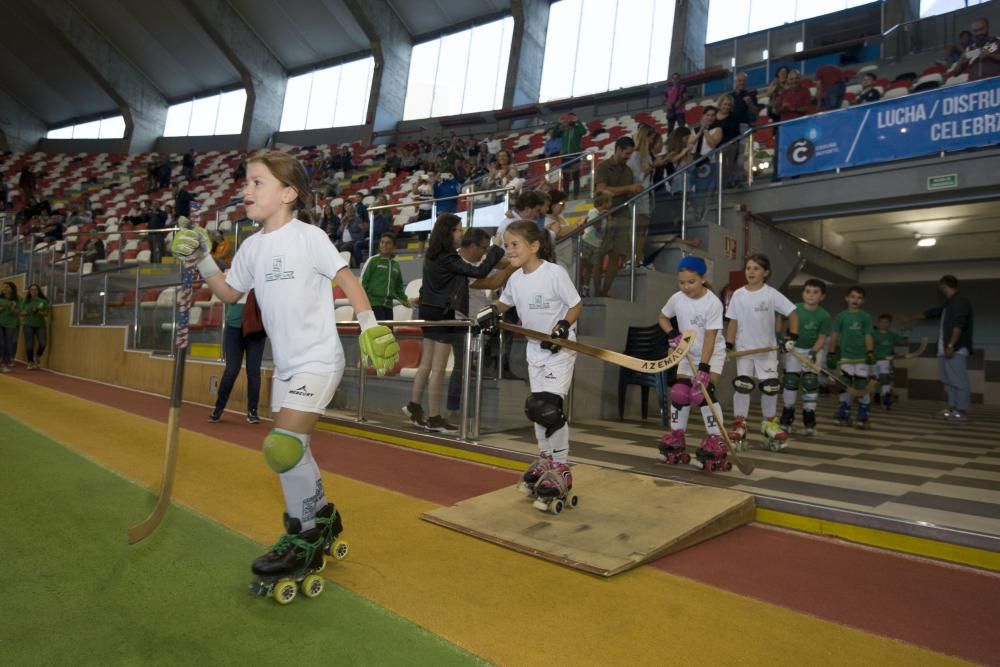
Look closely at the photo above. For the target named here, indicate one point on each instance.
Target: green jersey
(34, 311)
(383, 282)
(571, 136)
(812, 324)
(853, 326)
(8, 313)
(885, 343)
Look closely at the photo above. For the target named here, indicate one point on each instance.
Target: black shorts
(439, 334)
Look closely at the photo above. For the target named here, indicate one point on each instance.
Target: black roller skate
(713, 454)
(672, 448)
(531, 476)
(297, 558)
(809, 422)
(554, 489)
(843, 416)
(863, 417)
(787, 419)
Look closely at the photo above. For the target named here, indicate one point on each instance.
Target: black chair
(645, 343)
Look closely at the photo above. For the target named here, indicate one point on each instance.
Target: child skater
(290, 264)
(752, 312)
(852, 348)
(696, 307)
(886, 340)
(814, 327)
(546, 301)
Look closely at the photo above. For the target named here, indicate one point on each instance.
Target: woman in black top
(445, 289)
(727, 121)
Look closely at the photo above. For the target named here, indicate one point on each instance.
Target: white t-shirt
(542, 298)
(704, 314)
(644, 179)
(290, 270)
(755, 313)
(494, 146)
(502, 227)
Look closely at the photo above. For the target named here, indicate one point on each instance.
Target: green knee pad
(282, 450)
(790, 381)
(810, 381)
(859, 381)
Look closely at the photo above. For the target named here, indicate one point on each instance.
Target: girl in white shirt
(547, 301)
(751, 314)
(290, 265)
(696, 307)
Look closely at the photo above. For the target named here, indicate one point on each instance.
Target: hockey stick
(143, 530)
(616, 358)
(745, 465)
(747, 353)
(850, 389)
(919, 351)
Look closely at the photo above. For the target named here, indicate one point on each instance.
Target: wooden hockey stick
(143, 530)
(919, 351)
(611, 357)
(747, 353)
(745, 465)
(850, 389)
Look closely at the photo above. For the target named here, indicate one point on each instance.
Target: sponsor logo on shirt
(538, 302)
(301, 391)
(763, 307)
(277, 271)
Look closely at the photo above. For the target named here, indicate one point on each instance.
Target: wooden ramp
(622, 521)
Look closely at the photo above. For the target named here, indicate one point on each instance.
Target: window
(106, 128)
(215, 114)
(597, 45)
(733, 18)
(331, 97)
(459, 73)
(935, 7)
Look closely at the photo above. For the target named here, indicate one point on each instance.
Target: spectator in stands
(831, 87)
(393, 163)
(222, 249)
(9, 324)
(446, 185)
(383, 279)
(677, 154)
(643, 163)
(726, 121)
(34, 309)
(615, 176)
(346, 160)
(236, 345)
(529, 205)
(163, 172)
(53, 229)
(157, 220)
(241, 170)
(869, 93)
(981, 59)
(557, 225)
(794, 100)
(359, 207)
(4, 194)
(425, 193)
(706, 136)
(745, 104)
(675, 99)
(187, 164)
(493, 148)
(570, 131)
(444, 291)
(954, 347)
(591, 243)
(382, 219)
(955, 51)
(329, 221)
(774, 89)
(182, 200)
(27, 180)
(502, 172)
(152, 177)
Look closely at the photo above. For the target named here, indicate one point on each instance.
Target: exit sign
(942, 182)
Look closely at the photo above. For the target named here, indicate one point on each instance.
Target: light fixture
(799, 46)
(926, 243)
(732, 61)
(764, 54)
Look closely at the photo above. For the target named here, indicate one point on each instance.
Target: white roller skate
(775, 437)
(554, 490)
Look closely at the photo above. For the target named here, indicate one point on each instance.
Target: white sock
(886, 389)
(711, 426)
(741, 404)
(789, 396)
(303, 488)
(679, 417)
(768, 405)
(559, 441)
(845, 398)
(544, 443)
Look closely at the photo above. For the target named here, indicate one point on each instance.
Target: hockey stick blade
(609, 356)
(747, 353)
(745, 466)
(919, 351)
(142, 530)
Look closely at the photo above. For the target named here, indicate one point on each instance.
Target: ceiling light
(798, 46)
(926, 243)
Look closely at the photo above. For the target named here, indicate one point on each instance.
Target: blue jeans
(955, 377)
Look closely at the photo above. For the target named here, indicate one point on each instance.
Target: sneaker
(959, 416)
(416, 413)
(438, 424)
(947, 413)
(215, 415)
(252, 417)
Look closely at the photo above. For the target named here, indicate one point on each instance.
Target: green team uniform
(812, 324)
(571, 136)
(885, 343)
(852, 326)
(34, 311)
(234, 315)
(8, 313)
(383, 282)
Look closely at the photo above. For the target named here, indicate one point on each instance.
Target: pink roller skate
(713, 454)
(554, 489)
(672, 448)
(530, 477)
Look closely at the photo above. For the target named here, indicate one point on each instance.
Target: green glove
(833, 360)
(379, 349)
(188, 242)
(869, 357)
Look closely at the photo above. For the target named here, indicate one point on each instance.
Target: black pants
(8, 345)
(572, 173)
(234, 346)
(457, 373)
(382, 312)
(31, 334)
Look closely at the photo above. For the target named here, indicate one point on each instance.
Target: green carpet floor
(75, 593)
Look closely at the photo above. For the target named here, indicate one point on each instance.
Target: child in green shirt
(886, 342)
(383, 279)
(8, 326)
(852, 350)
(814, 327)
(34, 309)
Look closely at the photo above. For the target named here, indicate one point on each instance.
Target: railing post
(362, 376)
(480, 352)
(469, 208)
(79, 290)
(684, 204)
(750, 159)
(722, 161)
(632, 263)
(135, 310)
(593, 174)
(467, 370)
(104, 302)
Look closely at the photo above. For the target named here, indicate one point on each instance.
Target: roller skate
(787, 419)
(672, 448)
(295, 561)
(554, 489)
(843, 416)
(775, 437)
(530, 477)
(738, 434)
(863, 417)
(887, 400)
(713, 454)
(809, 422)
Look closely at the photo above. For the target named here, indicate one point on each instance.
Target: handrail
(518, 165)
(461, 195)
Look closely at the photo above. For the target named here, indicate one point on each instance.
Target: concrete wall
(687, 47)
(222, 142)
(20, 130)
(527, 52)
(326, 135)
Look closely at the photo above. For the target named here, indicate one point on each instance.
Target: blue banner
(945, 119)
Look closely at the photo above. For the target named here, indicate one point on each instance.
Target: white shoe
(959, 416)
(946, 413)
